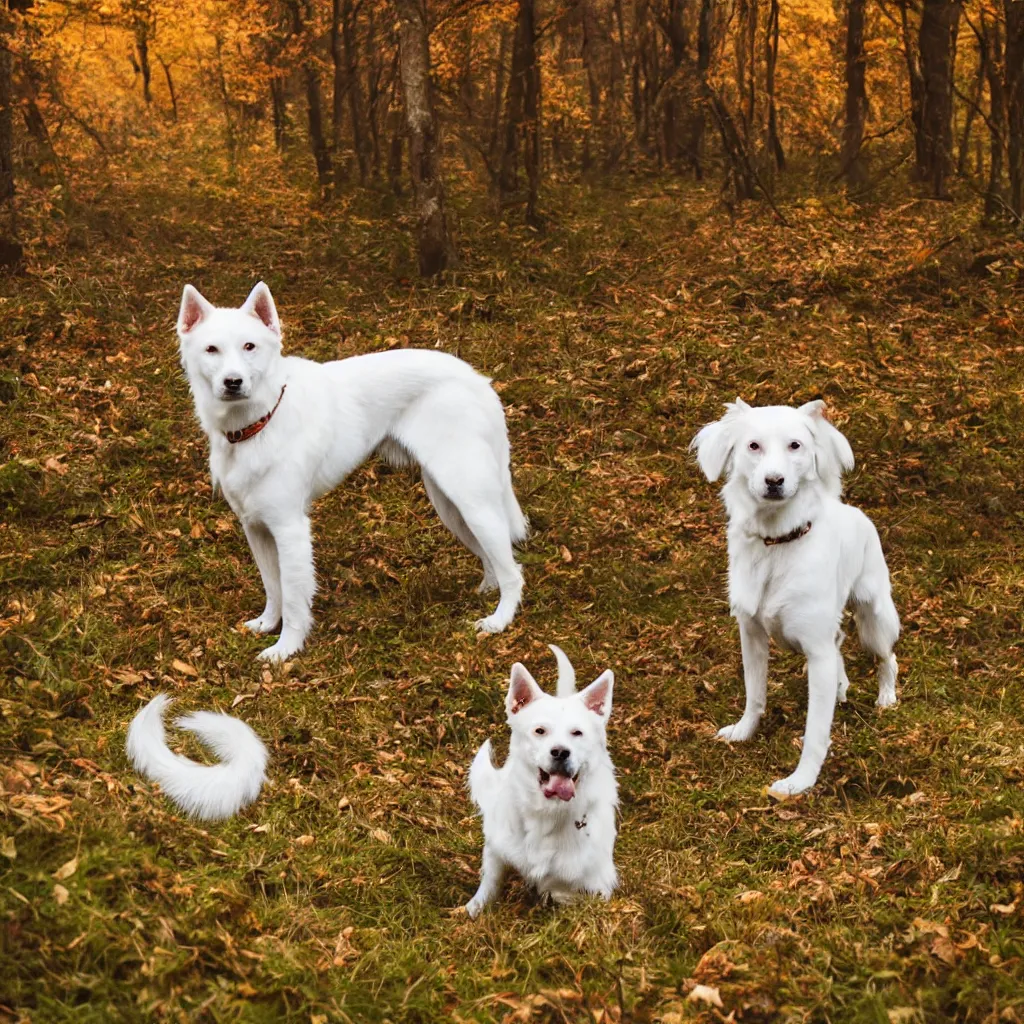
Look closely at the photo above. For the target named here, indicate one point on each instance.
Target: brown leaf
(184, 668)
(61, 895)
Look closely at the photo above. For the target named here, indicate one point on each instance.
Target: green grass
(893, 892)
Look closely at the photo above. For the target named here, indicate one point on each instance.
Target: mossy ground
(893, 892)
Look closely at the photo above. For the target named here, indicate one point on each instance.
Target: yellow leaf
(7, 847)
(66, 870)
(184, 668)
(305, 841)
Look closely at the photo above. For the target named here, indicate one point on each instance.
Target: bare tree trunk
(522, 113)
(355, 88)
(170, 86)
(499, 93)
(593, 82)
(142, 50)
(939, 22)
(992, 59)
(972, 108)
(699, 125)
(434, 243)
(856, 96)
(279, 112)
(314, 105)
(916, 80)
(771, 57)
(1014, 97)
(11, 253)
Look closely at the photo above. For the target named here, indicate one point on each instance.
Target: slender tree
(434, 242)
(856, 95)
(1014, 97)
(937, 40)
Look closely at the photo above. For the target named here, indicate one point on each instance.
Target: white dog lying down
(549, 810)
(207, 791)
(284, 431)
(797, 557)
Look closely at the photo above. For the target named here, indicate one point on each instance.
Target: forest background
(626, 212)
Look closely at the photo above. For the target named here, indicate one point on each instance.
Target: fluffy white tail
(482, 777)
(566, 685)
(206, 791)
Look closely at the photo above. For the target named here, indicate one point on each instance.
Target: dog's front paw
(738, 732)
(793, 785)
(492, 624)
(473, 908)
(263, 624)
(281, 651)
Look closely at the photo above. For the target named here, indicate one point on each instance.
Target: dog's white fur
(209, 792)
(561, 841)
(784, 470)
(410, 405)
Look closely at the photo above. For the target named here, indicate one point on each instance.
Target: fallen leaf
(305, 841)
(1003, 908)
(66, 870)
(7, 847)
(60, 894)
(706, 994)
(380, 835)
(942, 948)
(750, 896)
(566, 554)
(184, 668)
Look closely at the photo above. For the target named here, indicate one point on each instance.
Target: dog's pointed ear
(522, 690)
(261, 305)
(714, 443)
(597, 697)
(194, 309)
(833, 455)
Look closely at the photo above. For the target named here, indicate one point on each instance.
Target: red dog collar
(796, 534)
(234, 436)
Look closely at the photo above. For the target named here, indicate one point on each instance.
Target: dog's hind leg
(264, 550)
(754, 645)
(492, 874)
(878, 622)
(298, 585)
(878, 626)
(490, 528)
(822, 683)
(452, 518)
(844, 682)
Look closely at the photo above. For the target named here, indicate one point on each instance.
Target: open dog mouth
(554, 784)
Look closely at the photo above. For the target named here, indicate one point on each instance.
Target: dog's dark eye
(212, 349)
(754, 446)
(539, 731)
(577, 732)
(249, 347)
(794, 446)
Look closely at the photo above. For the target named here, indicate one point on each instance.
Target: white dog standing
(549, 810)
(285, 430)
(797, 557)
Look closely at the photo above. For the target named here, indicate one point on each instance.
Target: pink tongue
(560, 786)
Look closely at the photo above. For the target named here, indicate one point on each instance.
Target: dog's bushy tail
(482, 776)
(566, 685)
(209, 792)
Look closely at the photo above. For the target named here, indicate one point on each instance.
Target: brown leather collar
(234, 436)
(796, 534)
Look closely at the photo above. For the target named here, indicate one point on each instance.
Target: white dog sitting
(797, 557)
(549, 810)
(284, 431)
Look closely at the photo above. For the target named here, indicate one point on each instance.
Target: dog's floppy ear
(522, 690)
(261, 305)
(597, 697)
(714, 443)
(833, 455)
(194, 309)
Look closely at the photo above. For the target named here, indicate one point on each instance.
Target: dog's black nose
(559, 754)
(774, 481)
(232, 384)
